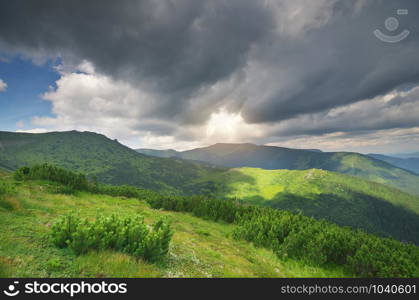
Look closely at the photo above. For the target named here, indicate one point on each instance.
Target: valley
(344, 199)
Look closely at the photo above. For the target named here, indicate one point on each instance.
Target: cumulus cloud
(3, 85)
(94, 102)
(163, 71)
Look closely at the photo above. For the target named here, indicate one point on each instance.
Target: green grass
(199, 248)
(342, 199)
(95, 155)
(269, 184)
(272, 158)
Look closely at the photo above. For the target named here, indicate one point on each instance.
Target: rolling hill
(343, 199)
(211, 238)
(270, 158)
(199, 248)
(96, 155)
(410, 163)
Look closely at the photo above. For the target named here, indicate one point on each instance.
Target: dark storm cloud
(176, 50)
(175, 47)
(340, 63)
(400, 110)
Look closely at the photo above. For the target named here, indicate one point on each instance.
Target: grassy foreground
(199, 248)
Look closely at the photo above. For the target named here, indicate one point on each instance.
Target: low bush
(287, 234)
(48, 172)
(303, 238)
(6, 189)
(129, 235)
(122, 191)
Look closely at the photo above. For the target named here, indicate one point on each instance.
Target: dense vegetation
(49, 172)
(299, 237)
(97, 156)
(129, 235)
(271, 158)
(198, 248)
(6, 189)
(289, 235)
(408, 163)
(113, 163)
(344, 200)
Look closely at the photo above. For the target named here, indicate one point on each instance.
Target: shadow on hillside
(359, 211)
(221, 186)
(176, 177)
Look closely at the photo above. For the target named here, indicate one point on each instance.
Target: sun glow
(228, 127)
(224, 125)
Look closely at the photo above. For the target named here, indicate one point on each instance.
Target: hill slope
(199, 248)
(410, 164)
(95, 155)
(270, 158)
(342, 199)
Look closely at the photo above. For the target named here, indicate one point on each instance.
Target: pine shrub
(129, 235)
(73, 180)
(6, 189)
(315, 242)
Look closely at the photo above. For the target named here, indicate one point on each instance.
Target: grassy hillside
(199, 248)
(269, 157)
(343, 199)
(410, 163)
(95, 155)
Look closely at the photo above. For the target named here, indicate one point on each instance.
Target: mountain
(96, 155)
(410, 164)
(173, 153)
(343, 199)
(270, 158)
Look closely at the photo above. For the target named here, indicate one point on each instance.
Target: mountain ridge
(273, 157)
(341, 198)
(410, 164)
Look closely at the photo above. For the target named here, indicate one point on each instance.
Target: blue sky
(21, 101)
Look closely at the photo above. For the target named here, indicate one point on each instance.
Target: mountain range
(272, 158)
(408, 163)
(406, 155)
(315, 187)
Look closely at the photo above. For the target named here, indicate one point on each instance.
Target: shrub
(287, 234)
(122, 191)
(48, 172)
(129, 235)
(303, 238)
(6, 189)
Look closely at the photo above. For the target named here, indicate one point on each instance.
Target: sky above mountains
(185, 73)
